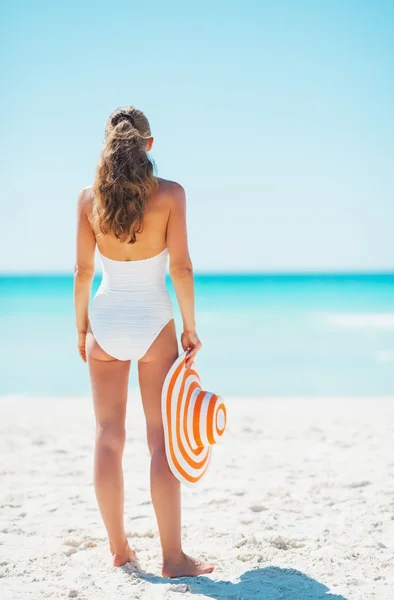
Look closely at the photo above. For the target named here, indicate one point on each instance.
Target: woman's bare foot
(125, 555)
(185, 566)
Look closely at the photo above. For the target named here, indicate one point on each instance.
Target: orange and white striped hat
(193, 421)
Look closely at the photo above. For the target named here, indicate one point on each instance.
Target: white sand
(298, 505)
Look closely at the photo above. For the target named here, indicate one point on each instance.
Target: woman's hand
(191, 343)
(82, 345)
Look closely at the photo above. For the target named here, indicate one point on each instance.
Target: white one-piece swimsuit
(131, 306)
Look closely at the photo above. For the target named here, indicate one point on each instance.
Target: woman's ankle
(172, 555)
(119, 546)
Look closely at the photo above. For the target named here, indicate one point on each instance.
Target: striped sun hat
(193, 421)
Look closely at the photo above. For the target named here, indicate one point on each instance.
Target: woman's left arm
(83, 272)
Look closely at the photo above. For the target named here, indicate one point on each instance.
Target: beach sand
(298, 504)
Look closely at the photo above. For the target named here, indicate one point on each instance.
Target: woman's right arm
(181, 271)
(83, 273)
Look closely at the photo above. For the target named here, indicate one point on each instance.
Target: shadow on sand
(269, 583)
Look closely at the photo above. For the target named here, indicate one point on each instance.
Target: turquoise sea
(273, 335)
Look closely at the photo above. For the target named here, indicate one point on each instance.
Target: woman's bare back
(153, 237)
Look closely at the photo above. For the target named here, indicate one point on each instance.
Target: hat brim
(187, 462)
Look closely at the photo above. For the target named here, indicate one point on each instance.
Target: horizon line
(268, 273)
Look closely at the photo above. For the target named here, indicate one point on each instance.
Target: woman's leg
(109, 381)
(165, 488)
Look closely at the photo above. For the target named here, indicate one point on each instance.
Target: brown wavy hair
(125, 177)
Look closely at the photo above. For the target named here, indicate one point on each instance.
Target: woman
(136, 220)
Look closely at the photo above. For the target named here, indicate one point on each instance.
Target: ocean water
(262, 335)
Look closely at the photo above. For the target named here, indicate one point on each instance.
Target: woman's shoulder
(171, 189)
(85, 201)
(85, 197)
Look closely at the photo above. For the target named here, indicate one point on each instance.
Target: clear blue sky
(276, 117)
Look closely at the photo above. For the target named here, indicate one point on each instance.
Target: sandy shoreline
(298, 504)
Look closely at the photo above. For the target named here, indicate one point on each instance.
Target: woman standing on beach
(136, 220)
